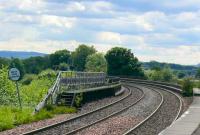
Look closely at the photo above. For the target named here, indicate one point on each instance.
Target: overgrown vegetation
(78, 99)
(158, 74)
(187, 87)
(11, 116)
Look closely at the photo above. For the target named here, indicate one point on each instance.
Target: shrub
(187, 87)
(28, 78)
(63, 110)
(7, 88)
(42, 114)
(78, 99)
(48, 73)
(63, 66)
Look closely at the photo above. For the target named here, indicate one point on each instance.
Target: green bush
(187, 87)
(42, 114)
(7, 88)
(48, 73)
(28, 78)
(63, 66)
(33, 93)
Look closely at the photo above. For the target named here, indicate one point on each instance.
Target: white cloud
(99, 6)
(184, 54)
(75, 7)
(67, 22)
(109, 37)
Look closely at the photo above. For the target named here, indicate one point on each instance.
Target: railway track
(161, 117)
(77, 123)
(118, 124)
(146, 126)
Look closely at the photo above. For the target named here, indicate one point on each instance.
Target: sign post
(14, 74)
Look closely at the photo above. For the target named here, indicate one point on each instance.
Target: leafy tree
(198, 73)
(62, 56)
(63, 66)
(96, 63)
(17, 63)
(181, 75)
(122, 62)
(4, 61)
(80, 55)
(35, 65)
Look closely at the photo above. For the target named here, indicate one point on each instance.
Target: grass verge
(11, 117)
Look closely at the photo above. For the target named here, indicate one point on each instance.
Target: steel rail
(109, 116)
(139, 124)
(152, 114)
(77, 117)
(160, 87)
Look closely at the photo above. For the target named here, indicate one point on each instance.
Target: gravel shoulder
(162, 118)
(119, 124)
(58, 118)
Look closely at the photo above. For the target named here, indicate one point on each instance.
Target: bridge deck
(187, 123)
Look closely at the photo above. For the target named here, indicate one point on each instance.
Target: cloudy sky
(162, 30)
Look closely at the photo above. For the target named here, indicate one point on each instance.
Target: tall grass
(11, 116)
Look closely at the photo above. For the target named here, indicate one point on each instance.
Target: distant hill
(152, 64)
(198, 65)
(19, 54)
(191, 70)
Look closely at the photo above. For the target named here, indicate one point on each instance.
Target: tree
(181, 74)
(122, 62)
(96, 63)
(4, 61)
(198, 74)
(35, 65)
(17, 63)
(80, 55)
(58, 57)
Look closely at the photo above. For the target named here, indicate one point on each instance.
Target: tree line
(117, 61)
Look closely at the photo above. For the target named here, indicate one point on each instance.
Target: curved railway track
(74, 125)
(118, 124)
(70, 126)
(155, 123)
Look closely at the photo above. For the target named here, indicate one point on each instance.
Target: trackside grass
(11, 116)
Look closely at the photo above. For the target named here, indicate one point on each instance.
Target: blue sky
(166, 31)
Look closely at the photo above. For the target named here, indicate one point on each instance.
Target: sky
(161, 30)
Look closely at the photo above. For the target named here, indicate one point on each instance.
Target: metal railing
(71, 80)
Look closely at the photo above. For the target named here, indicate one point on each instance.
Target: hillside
(19, 54)
(190, 70)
